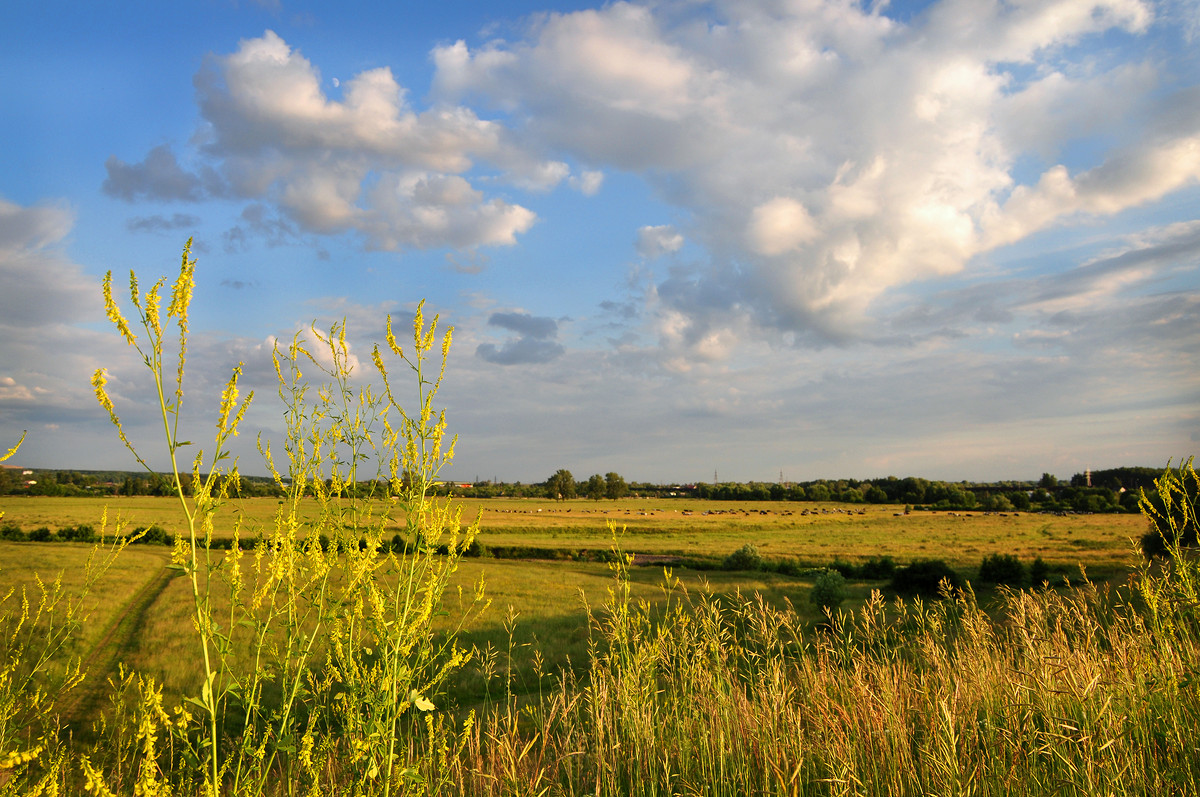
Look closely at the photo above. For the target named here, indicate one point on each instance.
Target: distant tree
(1020, 500)
(876, 495)
(561, 485)
(912, 490)
(614, 486)
(595, 487)
(818, 492)
(996, 503)
(1049, 481)
(851, 495)
(159, 486)
(46, 484)
(1096, 499)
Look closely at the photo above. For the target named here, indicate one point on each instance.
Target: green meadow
(586, 673)
(536, 624)
(704, 530)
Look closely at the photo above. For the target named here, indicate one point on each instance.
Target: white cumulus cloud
(825, 153)
(368, 162)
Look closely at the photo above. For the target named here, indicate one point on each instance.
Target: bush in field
(40, 534)
(1002, 569)
(1171, 510)
(1039, 573)
(744, 558)
(157, 535)
(81, 533)
(924, 577)
(877, 568)
(11, 531)
(828, 591)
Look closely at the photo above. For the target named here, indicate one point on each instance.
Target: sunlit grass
(682, 527)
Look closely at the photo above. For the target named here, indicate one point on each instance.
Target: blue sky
(956, 239)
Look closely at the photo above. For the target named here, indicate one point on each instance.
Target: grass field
(702, 529)
(540, 644)
(543, 602)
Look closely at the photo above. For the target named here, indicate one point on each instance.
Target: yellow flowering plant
(327, 639)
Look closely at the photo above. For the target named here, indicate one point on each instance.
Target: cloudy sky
(816, 238)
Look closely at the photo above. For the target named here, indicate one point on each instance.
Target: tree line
(1111, 490)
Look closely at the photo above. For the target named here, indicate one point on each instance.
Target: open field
(812, 532)
(605, 694)
(544, 601)
(141, 617)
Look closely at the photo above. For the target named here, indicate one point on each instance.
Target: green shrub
(828, 590)
(744, 558)
(846, 569)
(11, 531)
(157, 535)
(81, 533)
(789, 567)
(1039, 572)
(1002, 569)
(877, 568)
(924, 577)
(40, 534)
(475, 549)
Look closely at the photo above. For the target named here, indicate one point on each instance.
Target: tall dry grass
(1076, 691)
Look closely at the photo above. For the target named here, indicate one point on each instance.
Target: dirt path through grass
(118, 639)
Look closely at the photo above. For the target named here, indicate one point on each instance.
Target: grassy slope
(543, 602)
